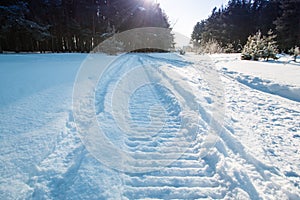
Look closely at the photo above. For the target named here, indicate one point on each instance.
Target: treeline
(71, 25)
(230, 26)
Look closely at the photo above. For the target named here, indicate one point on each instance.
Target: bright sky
(186, 13)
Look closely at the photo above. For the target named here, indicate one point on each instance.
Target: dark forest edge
(72, 25)
(228, 29)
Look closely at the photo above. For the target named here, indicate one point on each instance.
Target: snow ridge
(286, 91)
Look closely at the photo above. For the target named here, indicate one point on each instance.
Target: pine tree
(270, 46)
(233, 23)
(197, 33)
(253, 47)
(18, 32)
(72, 25)
(259, 46)
(288, 24)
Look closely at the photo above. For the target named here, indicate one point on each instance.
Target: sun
(157, 1)
(153, 1)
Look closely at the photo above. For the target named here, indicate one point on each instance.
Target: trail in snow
(229, 166)
(247, 157)
(187, 177)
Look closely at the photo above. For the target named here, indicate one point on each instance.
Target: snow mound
(275, 77)
(269, 86)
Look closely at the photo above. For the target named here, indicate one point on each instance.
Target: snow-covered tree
(212, 46)
(253, 47)
(229, 48)
(295, 52)
(269, 46)
(259, 46)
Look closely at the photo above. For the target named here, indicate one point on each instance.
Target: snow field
(242, 143)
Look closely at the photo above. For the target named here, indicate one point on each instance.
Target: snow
(178, 128)
(276, 77)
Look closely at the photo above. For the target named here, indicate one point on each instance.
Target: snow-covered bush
(229, 48)
(259, 46)
(212, 46)
(111, 46)
(181, 52)
(295, 52)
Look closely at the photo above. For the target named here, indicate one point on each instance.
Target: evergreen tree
(18, 32)
(253, 48)
(197, 33)
(288, 24)
(295, 52)
(71, 25)
(264, 12)
(269, 46)
(259, 46)
(233, 23)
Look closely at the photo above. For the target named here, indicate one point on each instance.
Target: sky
(184, 14)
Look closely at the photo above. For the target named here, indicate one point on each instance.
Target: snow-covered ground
(252, 109)
(279, 77)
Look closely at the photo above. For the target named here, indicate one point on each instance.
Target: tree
(288, 24)
(72, 25)
(229, 25)
(259, 46)
(269, 46)
(233, 23)
(253, 47)
(295, 52)
(264, 12)
(17, 30)
(197, 33)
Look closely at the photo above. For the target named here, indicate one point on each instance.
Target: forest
(230, 26)
(71, 25)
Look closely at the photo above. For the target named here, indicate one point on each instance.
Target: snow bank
(275, 77)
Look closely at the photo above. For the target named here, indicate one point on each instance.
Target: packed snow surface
(242, 143)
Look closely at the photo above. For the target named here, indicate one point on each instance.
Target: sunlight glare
(153, 1)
